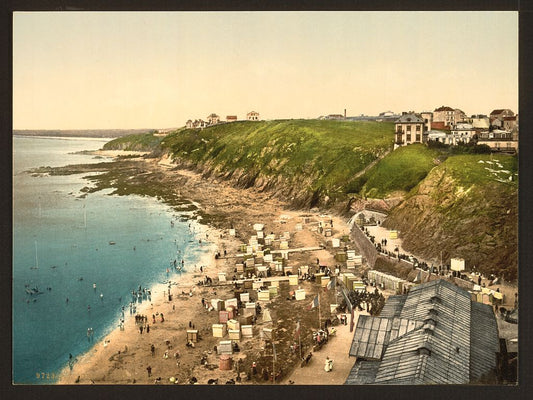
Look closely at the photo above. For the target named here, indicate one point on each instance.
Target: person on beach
(153, 318)
(147, 328)
(162, 318)
(141, 329)
(149, 369)
(152, 350)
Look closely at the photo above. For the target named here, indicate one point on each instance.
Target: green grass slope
(138, 142)
(312, 156)
(401, 170)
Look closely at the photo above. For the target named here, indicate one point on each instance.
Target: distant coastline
(80, 133)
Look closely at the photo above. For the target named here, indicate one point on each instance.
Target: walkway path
(337, 349)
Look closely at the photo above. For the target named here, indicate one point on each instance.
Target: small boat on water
(111, 242)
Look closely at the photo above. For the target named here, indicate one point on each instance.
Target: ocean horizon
(77, 257)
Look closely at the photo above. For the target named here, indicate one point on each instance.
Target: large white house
(409, 129)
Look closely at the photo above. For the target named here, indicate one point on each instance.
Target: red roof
(439, 125)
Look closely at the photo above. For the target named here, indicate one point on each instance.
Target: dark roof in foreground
(433, 335)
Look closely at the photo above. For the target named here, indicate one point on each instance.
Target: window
(418, 137)
(408, 128)
(418, 128)
(408, 138)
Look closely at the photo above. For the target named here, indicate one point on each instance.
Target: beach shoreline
(125, 359)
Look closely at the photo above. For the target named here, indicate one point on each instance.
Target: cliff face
(463, 206)
(474, 221)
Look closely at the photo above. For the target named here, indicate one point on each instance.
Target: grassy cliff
(305, 161)
(137, 142)
(466, 207)
(463, 205)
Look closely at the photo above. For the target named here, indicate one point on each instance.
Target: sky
(112, 70)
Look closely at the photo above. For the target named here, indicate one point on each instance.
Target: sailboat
(36, 259)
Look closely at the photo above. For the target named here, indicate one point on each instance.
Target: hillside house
(199, 123)
(231, 118)
(213, 119)
(501, 113)
(435, 334)
(439, 136)
(480, 121)
(449, 116)
(510, 123)
(462, 133)
(252, 116)
(409, 128)
(189, 124)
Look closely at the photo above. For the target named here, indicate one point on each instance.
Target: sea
(77, 257)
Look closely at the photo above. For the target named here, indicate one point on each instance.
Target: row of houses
(451, 126)
(213, 119)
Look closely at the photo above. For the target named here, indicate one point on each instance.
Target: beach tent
(217, 304)
(223, 317)
(233, 324)
(247, 330)
(231, 303)
(263, 295)
(299, 294)
(273, 290)
(249, 309)
(266, 316)
(245, 297)
(335, 242)
(222, 277)
(192, 335)
(457, 264)
(225, 362)
(234, 334)
(225, 347)
(219, 330)
(293, 280)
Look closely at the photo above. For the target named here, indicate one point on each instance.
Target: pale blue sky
(158, 69)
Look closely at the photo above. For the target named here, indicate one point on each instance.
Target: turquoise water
(61, 242)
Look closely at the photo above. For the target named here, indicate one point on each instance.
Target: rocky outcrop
(478, 223)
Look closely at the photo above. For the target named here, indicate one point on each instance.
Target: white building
(462, 133)
(252, 116)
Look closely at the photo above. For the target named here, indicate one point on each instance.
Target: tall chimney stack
(345, 113)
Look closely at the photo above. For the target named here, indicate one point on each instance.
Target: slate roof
(485, 343)
(393, 306)
(410, 119)
(437, 336)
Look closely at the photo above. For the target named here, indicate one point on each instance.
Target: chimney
(345, 113)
